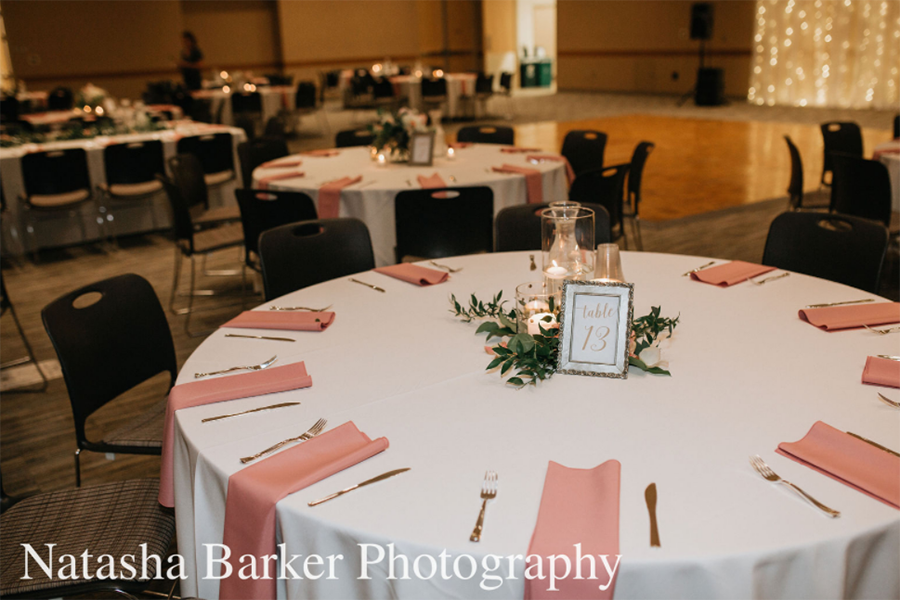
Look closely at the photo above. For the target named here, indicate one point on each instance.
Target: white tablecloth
(143, 216)
(372, 199)
(889, 154)
(274, 99)
(747, 374)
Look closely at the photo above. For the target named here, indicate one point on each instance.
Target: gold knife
(247, 412)
(876, 444)
(650, 497)
(839, 303)
(260, 337)
(381, 477)
(368, 285)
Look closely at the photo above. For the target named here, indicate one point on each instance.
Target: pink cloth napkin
(832, 318)
(849, 460)
(882, 371)
(570, 172)
(220, 389)
(279, 163)
(287, 321)
(514, 150)
(330, 196)
(533, 181)
(730, 273)
(414, 274)
(263, 182)
(321, 153)
(431, 181)
(254, 491)
(577, 506)
(460, 145)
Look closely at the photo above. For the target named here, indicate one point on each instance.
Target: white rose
(651, 357)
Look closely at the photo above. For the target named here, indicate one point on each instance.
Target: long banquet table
(142, 216)
(372, 199)
(274, 99)
(747, 373)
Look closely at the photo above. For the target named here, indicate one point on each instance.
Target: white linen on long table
(747, 373)
(372, 199)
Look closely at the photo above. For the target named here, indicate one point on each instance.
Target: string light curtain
(836, 53)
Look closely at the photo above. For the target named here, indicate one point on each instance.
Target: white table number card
(420, 148)
(594, 326)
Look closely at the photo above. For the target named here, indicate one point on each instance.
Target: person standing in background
(191, 61)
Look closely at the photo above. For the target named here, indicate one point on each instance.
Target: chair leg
(177, 270)
(639, 240)
(78, 467)
(190, 307)
(30, 358)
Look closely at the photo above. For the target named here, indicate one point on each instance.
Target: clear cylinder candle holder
(608, 267)
(534, 304)
(567, 244)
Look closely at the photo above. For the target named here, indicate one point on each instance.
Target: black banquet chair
(131, 170)
(106, 348)
(487, 134)
(256, 152)
(607, 188)
(434, 223)
(114, 519)
(215, 152)
(839, 248)
(861, 188)
(262, 210)
(584, 149)
(519, 227)
(632, 203)
(837, 136)
(353, 137)
(60, 98)
(299, 255)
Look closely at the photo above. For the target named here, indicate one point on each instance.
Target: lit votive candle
(536, 306)
(556, 272)
(535, 322)
(451, 153)
(381, 159)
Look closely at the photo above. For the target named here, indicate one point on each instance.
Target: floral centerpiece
(394, 130)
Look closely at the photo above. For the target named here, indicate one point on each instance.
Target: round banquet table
(747, 374)
(372, 199)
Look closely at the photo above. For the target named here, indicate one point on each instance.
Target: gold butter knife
(839, 303)
(876, 444)
(260, 337)
(700, 268)
(381, 477)
(650, 497)
(368, 285)
(252, 410)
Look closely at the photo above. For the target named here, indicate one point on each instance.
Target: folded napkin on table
(533, 181)
(882, 371)
(570, 172)
(460, 145)
(831, 318)
(514, 150)
(849, 460)
(281, 162)
(321, 153)
(330, 196)
(220, 389)
(254, 491)
(263, 182)
(431, 181)
(288, 321)
(414, 274)
(730, 273)
(577, 506)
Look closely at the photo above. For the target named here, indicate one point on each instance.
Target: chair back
(434, 88)
(254, 153)
(861, 188)
(60, 98)
(605, 187)
(519, 227)
(55, 172)
(484, 84)
(299, 255)
(133, 162)
(839, 248)
(187, 175)
(584, 149)
(506, 82)
(434, 223)
(487, 134)
(383, 88)
(107, 347)
(353, 137)
(636, 172)
(275, 128)
(843, 137)
(182, 223)
(215, 151)
(795, 187)
(246, 102)
(306, 95)
(262, 210)
(897, 127)
(247, 123)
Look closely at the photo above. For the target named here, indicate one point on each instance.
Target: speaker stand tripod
(693, 91)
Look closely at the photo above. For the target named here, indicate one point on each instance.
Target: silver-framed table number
(594, 328)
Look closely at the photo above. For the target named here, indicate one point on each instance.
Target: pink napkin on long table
(881, 371)
(254, 491)
(321, 153)
(330, 196)
(849, 460)
(577, 506)
(263, 182)
(288, 321)
(220, 389)
(514, 150)
(570, 172)
(831, 318)
(279, 163)
(414, 274)
(533, 181)
(431, 181)
(730, 273)
(460, 145)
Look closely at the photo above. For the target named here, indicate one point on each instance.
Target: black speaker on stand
(710, 87)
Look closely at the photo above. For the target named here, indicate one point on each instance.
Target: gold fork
(488, 492)
(767, 279)
(450, 269)
(300, 308)
(766, 471)
(888, 401)
(258, 367)
(312, 432)
(883, 331)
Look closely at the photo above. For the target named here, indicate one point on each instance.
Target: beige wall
(237, 34)
(634, 46)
